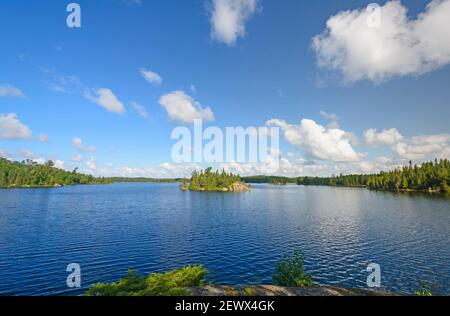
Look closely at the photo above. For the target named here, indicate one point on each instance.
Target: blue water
(238, 237)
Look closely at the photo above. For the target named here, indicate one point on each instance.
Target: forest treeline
(14, 174)
(269, 179)
(429, 176)
(143, 180)
(210, 181)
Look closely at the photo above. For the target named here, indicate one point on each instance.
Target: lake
(108, 229)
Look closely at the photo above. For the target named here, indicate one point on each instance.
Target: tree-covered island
(214, 181)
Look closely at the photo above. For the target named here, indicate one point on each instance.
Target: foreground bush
(172, 283)
(289, 271)
(425, 290)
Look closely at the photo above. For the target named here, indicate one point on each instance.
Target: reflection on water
(238, 237)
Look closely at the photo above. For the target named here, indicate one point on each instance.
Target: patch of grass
(172, 283)
(289, 271)
(249, 291)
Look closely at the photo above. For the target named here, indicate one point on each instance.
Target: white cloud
(105, 98)
(10, 91)
(59, 164)
(43, 138)
(77, 158)
(139, 109)
(228, 19)
(333, 118)
(329, 116)
(399, 47)
(386, 137)
(317, 141)
(5, 154)
(91, 164)
(165, 170)
(301, 167)
(40, 160)
(151, 76)
(78, 143)
(12, 128)
(424, 147)
(271, 166)
(184, 109)
(28, 154)
(61, 83)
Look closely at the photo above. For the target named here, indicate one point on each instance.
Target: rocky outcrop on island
(214, 181)
(237, 187)
(240, 187)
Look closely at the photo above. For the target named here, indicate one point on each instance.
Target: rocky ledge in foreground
(272, 290)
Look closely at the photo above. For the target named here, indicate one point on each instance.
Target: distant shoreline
(429, 177)
(174, 181)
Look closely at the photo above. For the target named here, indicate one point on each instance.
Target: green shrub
(172, 283)
(289, 271)
(425, 290)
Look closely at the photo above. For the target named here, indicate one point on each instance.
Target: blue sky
(249, 62)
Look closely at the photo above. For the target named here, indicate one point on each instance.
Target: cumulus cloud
(78, 144)
(59, 164)
(228, 19)
(151, 76)
(400, 46)
(386, 137)
(317, 141)
(164, 170)
(424, 147)
(419, 148)
(139, 109)
(12, 128)
(90, 164)
(302, 167)
(184, 109)
(10, 91)
(105, 98)
(271, 166)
